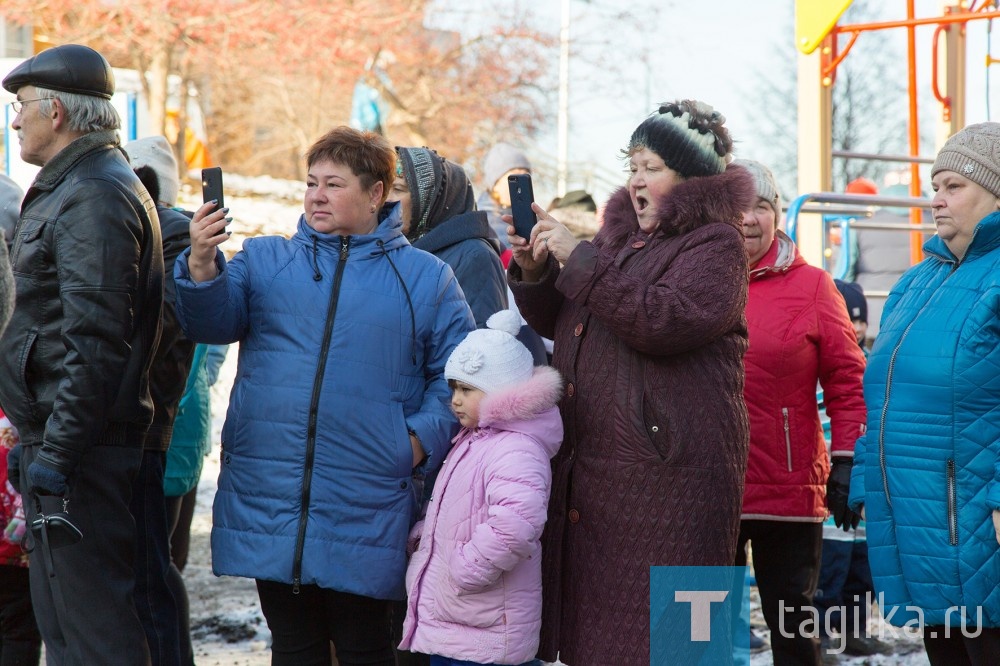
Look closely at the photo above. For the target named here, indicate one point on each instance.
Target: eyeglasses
(18, 104)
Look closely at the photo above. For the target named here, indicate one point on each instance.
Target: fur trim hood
(691, 204)
(529, 408)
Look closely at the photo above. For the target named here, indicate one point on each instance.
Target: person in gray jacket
(74, 362)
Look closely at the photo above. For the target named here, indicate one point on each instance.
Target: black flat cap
(68, 68)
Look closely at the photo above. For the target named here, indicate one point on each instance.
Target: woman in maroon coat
(649, 330)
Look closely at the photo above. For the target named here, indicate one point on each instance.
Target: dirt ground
(227, 627)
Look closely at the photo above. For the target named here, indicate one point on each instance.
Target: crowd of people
(410, 475)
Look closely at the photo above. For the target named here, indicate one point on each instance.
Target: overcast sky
(712, 51)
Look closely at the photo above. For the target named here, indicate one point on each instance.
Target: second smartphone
(521, 198)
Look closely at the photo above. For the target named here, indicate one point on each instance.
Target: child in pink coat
(475, 581)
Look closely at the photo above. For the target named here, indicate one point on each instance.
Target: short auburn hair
(368, 155)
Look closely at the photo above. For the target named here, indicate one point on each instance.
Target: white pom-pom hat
(491, 358)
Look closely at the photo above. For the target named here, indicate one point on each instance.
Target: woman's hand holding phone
(208, 226)
(208, 231)
(548, 236)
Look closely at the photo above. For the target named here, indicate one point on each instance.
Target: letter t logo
(701, 606)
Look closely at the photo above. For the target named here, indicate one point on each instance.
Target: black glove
(45, 480)
(838, 487)
(14, 467)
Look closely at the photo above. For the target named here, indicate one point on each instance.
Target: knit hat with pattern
(973, 152)
(491, 358)
(688, 136)
(439, 189)
(767, 188)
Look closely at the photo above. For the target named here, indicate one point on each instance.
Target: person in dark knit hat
(857, 307)
(844, 588)
(649, 332)
(926, 472)
(74, 362)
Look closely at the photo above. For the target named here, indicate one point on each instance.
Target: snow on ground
(226, 623)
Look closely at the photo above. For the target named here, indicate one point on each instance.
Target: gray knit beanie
(492, 358)
(10, 207)
(767, 188)
(973, 152)
(156, 153)
(502, 158)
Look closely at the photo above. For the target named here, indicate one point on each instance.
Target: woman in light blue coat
(928, 470)
(339, 400)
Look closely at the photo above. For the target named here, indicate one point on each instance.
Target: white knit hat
(491, 358)
(156, 153)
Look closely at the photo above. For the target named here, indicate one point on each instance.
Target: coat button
(578, 331)
(229, 459)
(638, 245)
(570, 390)
(574, 516)
(402, 485)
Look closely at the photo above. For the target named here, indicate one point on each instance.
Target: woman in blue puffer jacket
(339, 400)
(928, 470)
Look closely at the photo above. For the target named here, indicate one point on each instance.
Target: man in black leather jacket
(74, 362)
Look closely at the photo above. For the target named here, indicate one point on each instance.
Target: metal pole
(563, 149)
(916, 239)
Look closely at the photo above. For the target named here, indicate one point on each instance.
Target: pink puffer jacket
(475, 582)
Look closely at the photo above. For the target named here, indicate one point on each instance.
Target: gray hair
(85, 113)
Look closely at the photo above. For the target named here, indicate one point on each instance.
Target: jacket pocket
(401, 436)
(786, 436)
(952, 505)
(27, 256)
(482, 609)
(23, 363)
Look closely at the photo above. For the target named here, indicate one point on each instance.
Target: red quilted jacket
(800, 333)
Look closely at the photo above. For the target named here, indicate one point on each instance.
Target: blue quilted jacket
(343, 343)
(928, 469)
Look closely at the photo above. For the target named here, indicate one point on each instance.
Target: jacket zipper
(952, 505)
(788, 437)
(300, 539)
(885, 410)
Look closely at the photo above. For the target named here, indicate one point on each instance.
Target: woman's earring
(373, 208)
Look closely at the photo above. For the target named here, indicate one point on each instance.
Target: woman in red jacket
(800, 333)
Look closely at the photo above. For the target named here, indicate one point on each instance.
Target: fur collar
(691, 204)
(522, 401)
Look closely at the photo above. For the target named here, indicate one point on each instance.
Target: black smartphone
(211, 186)
(521, 197)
